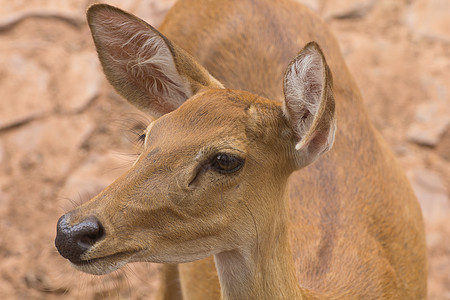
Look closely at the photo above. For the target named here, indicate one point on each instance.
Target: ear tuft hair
(309, 102)
(144, 67)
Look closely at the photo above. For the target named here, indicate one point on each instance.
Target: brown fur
(357, 185)
(352, 227)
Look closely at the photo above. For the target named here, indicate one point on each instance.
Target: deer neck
(263, 268)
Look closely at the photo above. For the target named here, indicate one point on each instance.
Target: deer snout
(73, 241)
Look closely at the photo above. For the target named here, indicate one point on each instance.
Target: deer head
(215, 161)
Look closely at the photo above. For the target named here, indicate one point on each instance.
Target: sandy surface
(64, 133)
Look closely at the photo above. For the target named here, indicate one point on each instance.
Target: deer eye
(226, 163)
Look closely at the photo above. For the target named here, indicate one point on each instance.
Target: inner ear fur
(144, 67)
(309, 104)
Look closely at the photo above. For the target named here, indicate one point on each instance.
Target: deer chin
(103, 265)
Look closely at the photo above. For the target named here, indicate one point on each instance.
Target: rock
(95, 174)
(432, 118)
(4, 199)
(52, 145)
(61, 140)
(431, 121)
(27, 138)
(40, 281)
(81, 82)
(7, 23)
(347, 9)
(429, 18)
(24, 90)
(443, 148)
(154, 11)
(431, 193)
(9, 8)
(2, 152)
(312, 4)
(127, 5)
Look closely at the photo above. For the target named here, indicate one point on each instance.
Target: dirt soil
(65, 134)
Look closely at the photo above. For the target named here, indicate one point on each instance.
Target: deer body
(347, 226)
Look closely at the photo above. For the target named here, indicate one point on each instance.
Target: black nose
(73, 241)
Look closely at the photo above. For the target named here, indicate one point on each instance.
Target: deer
(261, 174)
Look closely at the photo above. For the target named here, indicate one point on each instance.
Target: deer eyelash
(141, 139)
(134, 130)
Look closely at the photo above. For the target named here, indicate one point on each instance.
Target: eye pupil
(224, 163)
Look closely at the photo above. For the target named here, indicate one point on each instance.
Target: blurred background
(65, 134)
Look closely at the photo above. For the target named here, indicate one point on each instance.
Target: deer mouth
(103, 265)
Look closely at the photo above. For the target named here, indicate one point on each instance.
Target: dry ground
(62, 126)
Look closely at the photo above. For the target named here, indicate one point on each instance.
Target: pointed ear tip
(94, 9)
(313, 45)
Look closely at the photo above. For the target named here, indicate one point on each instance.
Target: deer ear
(143, 66)
(309, 104)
